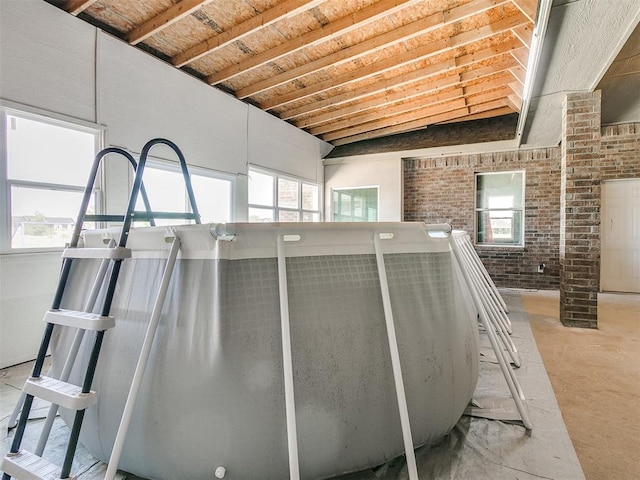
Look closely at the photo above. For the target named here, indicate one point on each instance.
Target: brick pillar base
(580, 210)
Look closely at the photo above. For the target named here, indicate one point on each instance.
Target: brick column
(580, 210)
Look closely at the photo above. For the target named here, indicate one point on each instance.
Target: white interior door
(620, 236)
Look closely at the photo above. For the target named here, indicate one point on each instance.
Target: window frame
(275, 208)
(174, 167)
(521, 242)
(13, 109)
(339, 189)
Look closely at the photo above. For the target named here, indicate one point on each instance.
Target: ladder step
(28, 466)
(67, 395)
(116, 253)
(84, 320)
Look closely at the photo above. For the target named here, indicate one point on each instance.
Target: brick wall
(580, 209)
(620, 151)
(442, 190)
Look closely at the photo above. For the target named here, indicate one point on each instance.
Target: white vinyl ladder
(490, 325)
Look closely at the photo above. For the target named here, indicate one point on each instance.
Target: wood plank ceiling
(343, 70)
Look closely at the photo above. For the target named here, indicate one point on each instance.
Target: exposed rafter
(431, 49)
(414, 113)
(74, 7)
(343, 70)
(284, 10)
(327, 32)
(400, 34)
(452, 65)
(170, 16)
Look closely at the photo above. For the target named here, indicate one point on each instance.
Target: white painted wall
(384, 172)
(52, 61)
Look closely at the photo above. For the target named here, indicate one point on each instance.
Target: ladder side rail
(477, 267)
(467, 240)
(79, 416)
(486, 281)
(507, 372)
(497, 314)
(395, 361)
(183, 167)
(492, 313)
(28, 399)
(142, 361)
(287, 362)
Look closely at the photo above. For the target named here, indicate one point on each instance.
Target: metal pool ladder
(19, 463)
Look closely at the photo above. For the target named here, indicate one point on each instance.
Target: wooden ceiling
(343, 70)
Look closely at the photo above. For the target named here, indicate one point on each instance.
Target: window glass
(213, 198)
(260, 188)
(165, 187)
(42, 152)
(165, 190)
(499, 208)
(44, 218)
(310, 197)
(288, 216)
(47, 167)
(355, 205)
(296, 200)
(260, 214)
(288, 193)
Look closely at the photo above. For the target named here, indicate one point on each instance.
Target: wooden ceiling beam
(403, 93)
(286, 9)
(402, 128)
(491, 89)
(457, 65)
(322, 34)
(432, 88)
(164, 19)
(388, 111)
(405, 32)
(387, 122)
(446, 117)
(519, 74)
(480, 115)
(419, 112)
(74, 7)
(517, 87)
(422, 52)
(528, 7)
(524, 33)
(515, 102)
(483, 107)
(521, 55)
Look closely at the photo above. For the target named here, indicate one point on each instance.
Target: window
(355, 204)
(500, 208)
(276, 198)
(165, 187)
(45, 165)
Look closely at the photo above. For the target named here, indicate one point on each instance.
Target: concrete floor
(595, 375)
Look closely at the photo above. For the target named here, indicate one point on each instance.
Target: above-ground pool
(213, 393)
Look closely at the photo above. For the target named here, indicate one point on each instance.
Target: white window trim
(8, 108)
(519, 245)
(339, 189)
(275, 208)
